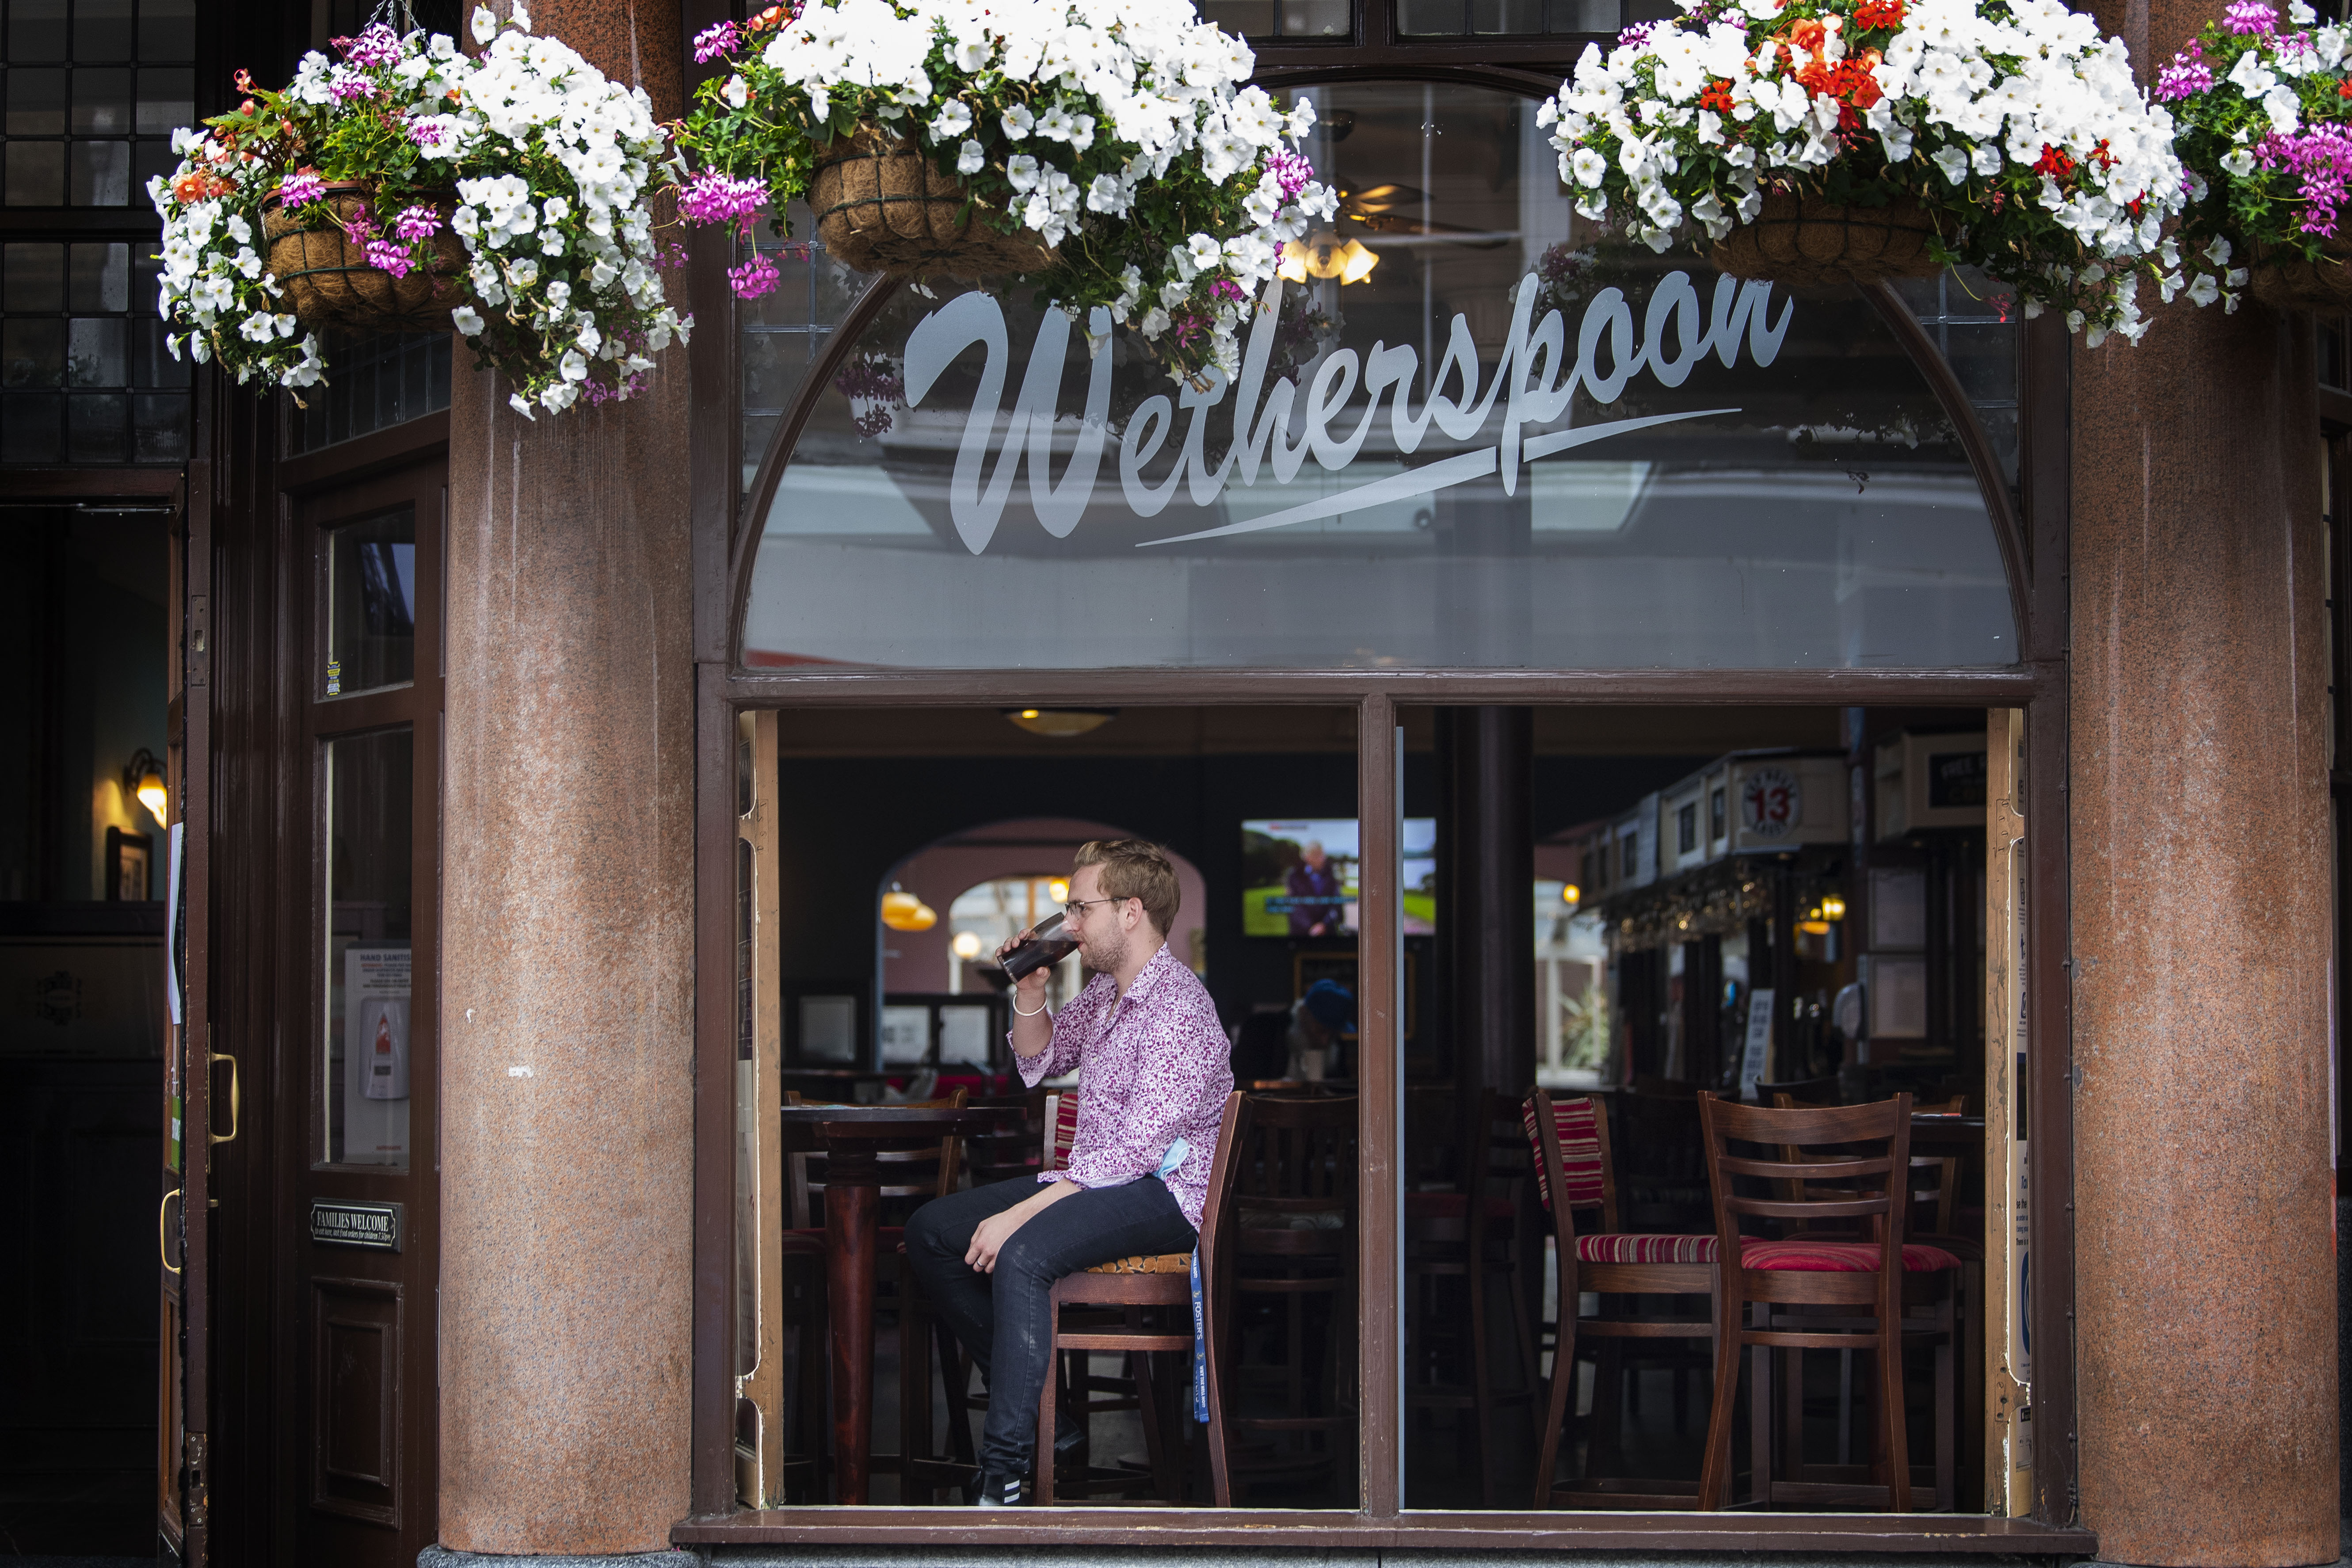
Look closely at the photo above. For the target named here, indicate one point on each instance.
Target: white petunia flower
(467, 320)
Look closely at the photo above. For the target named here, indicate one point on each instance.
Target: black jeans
(1001, 1318)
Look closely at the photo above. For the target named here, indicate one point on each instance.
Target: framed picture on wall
(826, 1023)
(130, 866)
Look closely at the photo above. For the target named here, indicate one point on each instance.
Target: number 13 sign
(1771, 803)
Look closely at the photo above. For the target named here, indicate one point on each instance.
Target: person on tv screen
(1154, 1069)
(1318, 901)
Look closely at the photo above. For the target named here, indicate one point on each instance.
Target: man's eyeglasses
(1076, 908)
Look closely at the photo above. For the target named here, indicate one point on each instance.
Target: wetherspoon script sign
(1531, 388)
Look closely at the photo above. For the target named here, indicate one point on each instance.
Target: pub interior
(1607, 913)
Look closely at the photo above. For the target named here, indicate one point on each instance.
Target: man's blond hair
(1132, 868)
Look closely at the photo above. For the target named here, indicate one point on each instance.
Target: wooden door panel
(355, 1428)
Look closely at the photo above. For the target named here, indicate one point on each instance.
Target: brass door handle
(235, 1114)
(163, 1235)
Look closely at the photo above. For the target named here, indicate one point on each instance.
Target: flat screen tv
(1299, 876)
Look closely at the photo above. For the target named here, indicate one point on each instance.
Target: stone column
(567, 1185)
(2202, 933)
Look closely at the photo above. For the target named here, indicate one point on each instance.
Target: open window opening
(1784, 909)
(888, 859)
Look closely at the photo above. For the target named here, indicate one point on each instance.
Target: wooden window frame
(2032, 532)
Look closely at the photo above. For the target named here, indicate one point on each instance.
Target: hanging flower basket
(1110, 153)
(1826, 142)
(1808, 242)
(407, 187)
(881, 205)
(2284, 278)
(330, 282)
(2265, 116)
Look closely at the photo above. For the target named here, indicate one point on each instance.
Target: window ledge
(1320, 1532)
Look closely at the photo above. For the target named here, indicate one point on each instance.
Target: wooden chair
(911, 1177)
(1574, 1172)
(1442, 1241)
(1053, 1118)
(1935, 1187)
(1295, 1209)
(1780, 1285)
(1164, 1281)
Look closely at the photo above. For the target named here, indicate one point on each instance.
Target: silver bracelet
(1017, 1013)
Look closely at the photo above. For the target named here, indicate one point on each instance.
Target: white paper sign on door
(1760, 1040)
(376, 1054)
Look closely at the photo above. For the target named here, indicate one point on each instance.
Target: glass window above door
(1467, 433)
(371, 603)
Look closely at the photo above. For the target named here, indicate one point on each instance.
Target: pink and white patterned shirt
(1153, 1066)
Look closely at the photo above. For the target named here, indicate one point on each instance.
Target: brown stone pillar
(2202, 931)
(566, 1305)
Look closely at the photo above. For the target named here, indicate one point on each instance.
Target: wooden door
(358, 1411)
(184, 1204)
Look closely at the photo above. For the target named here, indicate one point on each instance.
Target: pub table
(851, 1137)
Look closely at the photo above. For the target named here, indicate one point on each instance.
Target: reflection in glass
(785, 331)
(1506, 445)
(372, 604)
(369, 836)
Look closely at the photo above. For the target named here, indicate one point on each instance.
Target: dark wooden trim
(2050, 1073)
(1442, 63)
(364, 456)
(340, 718)
(1333, 1529)
(1991, 483)
(712, 1461)
(833, 687)
(715, 423)
(1380, 1133)
(90, 484)
(139, 222)
(2334, 410)
(2044, 469)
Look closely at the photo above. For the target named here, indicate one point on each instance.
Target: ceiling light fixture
(1326, 254)
(1061, 722)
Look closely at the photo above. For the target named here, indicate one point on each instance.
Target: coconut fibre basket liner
(882, 206)
(330, 282)
(1810, 242)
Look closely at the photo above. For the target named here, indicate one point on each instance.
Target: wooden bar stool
(1574, 1172)
(1442, 1241)
(917, 1174)
(1295, 1207)
(1163, 1281)
(1777, 1281)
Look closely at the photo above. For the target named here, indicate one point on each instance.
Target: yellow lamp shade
(1814, 928)
(1832, 908)
(1356, 261)
(967, 944)
(1571, 894)
(1058, 890)
(903, 911)
(155, 797)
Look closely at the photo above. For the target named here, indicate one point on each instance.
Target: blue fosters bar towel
(1167, 1164)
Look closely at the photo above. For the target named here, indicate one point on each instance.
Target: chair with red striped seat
(1573, 1173)
(1846, 1166)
